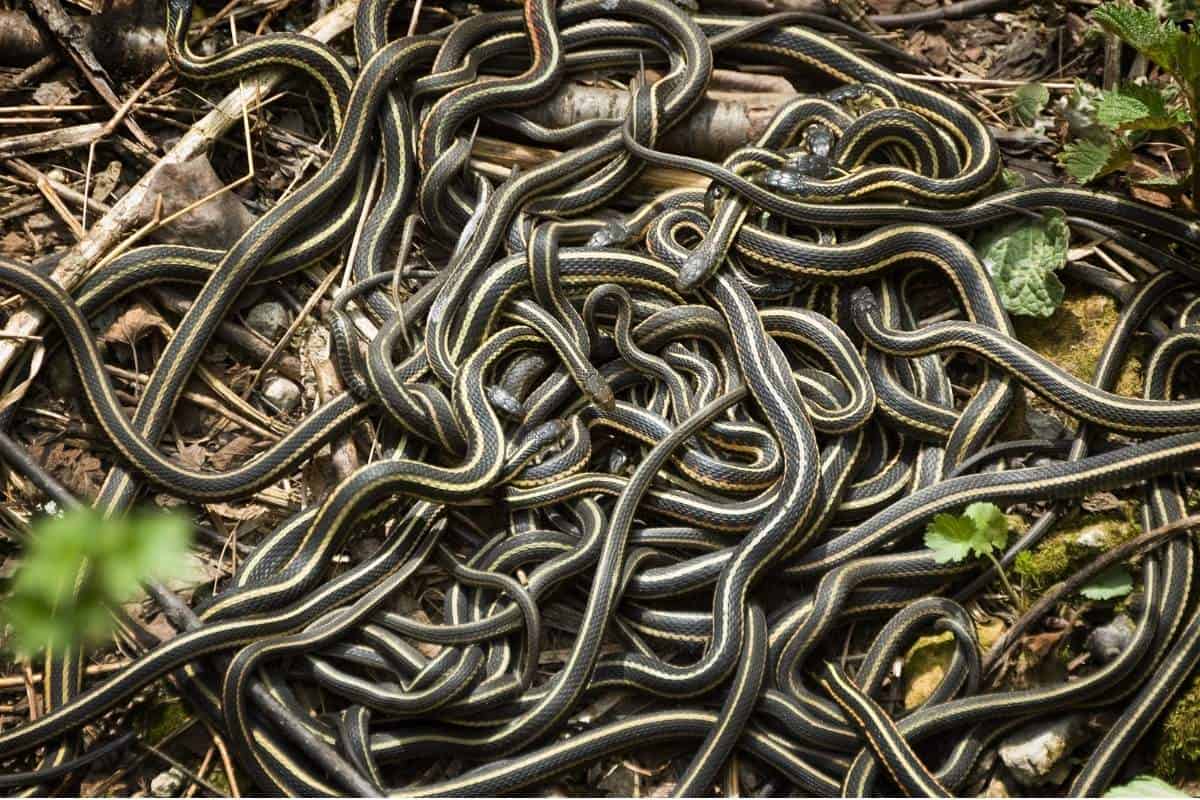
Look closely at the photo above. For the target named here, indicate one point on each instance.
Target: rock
(1106, 642)
(282, 394)
(1093, 536)
(167, 784)
(1043, 425)
(218, 222)
(269, 319)
(1036, 753)
(619, 782)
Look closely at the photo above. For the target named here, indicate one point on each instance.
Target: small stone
(1106, 642)
(282, 394)
(167, 784)
(619, 782)
(269, 319)
(1036, 752)
(1043, 425)
(1093, 536)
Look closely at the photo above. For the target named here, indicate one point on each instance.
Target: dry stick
(64, 191)
(106, 233)
(1078, 579)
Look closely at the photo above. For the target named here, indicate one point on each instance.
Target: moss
(1074, 337)
(163, 719)
(1061, 555)
(926, 662)
(1179, 745)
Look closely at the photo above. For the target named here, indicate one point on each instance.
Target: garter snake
(607, 373)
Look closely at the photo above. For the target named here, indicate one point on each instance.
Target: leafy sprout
(1110, 584)
(979, 531)
(79, 565)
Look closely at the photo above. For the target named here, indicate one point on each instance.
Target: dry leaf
(238, 449)
(240, 513)
(134, 324)
(53, 93)
(192, 455)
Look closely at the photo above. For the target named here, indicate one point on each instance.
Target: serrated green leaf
(1141, 29)
(1029, 100)
(1086, 160)
(1145, 786)
(1114, 582)
(981, 529)
(1138, 107)
(1022, 257)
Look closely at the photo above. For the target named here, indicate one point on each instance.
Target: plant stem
(1017, 598)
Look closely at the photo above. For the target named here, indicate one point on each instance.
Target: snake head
(863, 305)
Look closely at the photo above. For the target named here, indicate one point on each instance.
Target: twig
(1078, 579)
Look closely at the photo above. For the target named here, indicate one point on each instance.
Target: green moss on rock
(1179, 745)
(1058, 557)
(1074, 336)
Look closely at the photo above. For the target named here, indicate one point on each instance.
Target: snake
(692, 435)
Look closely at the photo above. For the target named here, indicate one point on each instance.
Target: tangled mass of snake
(698, 438)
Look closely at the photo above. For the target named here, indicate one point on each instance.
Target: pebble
(282, 394)
(269, 319)
(1107, 641)
(1036, 753)
(167, 784)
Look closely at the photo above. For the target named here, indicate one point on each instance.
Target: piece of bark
(69, 138)
(216, 223)
(713, 130)
(125, 213)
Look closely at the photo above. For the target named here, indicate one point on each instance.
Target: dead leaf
(192, 455)
(238, 449)
(1100, 501)
(135, 323)
(1150, 196)
(53, 93)
(105, 181)
(242, 513)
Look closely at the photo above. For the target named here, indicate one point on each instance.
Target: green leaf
(1138, 107)
(1022, 257)
(1114, 582)
(1145, 786)
(1142, 30)
(79, 565)
(1086, 160)
(1029, 100)
(980, 529)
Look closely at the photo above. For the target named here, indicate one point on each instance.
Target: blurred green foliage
(78, 565)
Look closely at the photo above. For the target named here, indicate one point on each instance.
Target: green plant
(1145, 786)
(980, 530)
(1023, 257)
(1110, 584)
(79, 565)
(1134, 110)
